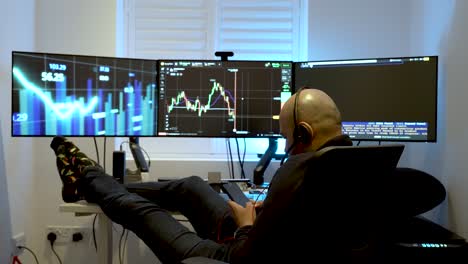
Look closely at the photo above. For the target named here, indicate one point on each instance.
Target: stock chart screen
(380, 99)
(74, 95)
(203, 98)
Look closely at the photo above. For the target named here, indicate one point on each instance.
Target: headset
(300, 133)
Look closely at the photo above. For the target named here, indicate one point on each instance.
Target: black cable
(34, 255)
(53, 250)
(258, 197)
(359, 142)
(147, 155)
(123, 142)
(238, 156)
(94, 232)
(230, 159)
(52, 237)
(259, 194)
(227, 157)
(104, 157)
(241, 162)
(97, 150)
(142, 149)
(243, 155)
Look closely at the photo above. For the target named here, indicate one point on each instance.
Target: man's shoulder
(292, 170)
(297, 160)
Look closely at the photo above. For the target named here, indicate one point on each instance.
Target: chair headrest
(382, 155)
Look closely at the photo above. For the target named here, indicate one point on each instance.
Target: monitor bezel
(273, 136)
(436, 113)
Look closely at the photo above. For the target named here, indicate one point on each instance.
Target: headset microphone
(287, 152)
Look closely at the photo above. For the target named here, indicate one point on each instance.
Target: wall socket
(18, 240)
(65, 233)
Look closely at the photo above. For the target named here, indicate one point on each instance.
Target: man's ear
(305, 133)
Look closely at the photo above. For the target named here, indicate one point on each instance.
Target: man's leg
(164, 235)
(168, 238)
(207, 211)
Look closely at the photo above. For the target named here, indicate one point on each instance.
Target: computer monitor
(210, 98)
(75, 95)
(380, 99)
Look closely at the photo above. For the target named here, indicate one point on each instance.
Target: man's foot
(70, 164)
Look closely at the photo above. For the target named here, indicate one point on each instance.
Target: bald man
(224, 230)
(308, 120)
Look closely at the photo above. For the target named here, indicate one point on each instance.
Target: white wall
(17, 31)
(5, 221)
(454, 153)
(341, 29)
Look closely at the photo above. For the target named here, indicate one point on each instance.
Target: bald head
(316, 114)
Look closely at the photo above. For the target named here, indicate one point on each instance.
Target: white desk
(104, 227)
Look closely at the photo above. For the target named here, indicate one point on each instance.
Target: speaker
(118, 165)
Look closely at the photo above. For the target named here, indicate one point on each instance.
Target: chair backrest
(330, 199)
(347, 185)
(352, 176)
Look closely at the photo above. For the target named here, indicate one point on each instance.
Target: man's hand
(243, 215)
(258, 204)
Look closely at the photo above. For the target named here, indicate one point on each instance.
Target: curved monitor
(208, 98)
(381, 99)
(74, 95)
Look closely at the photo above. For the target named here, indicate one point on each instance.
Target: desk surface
(85, 208)
(80, 207)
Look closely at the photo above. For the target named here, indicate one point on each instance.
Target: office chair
(357, 199)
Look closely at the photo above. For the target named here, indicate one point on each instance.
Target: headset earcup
(297, 134)
(303, 135)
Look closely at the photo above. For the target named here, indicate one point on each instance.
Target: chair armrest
(201, 260)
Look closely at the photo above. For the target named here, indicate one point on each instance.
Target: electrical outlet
(18, 240)
(65, 233)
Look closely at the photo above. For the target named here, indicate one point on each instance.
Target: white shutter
(259, 30)
(170, 29)
(178, 29)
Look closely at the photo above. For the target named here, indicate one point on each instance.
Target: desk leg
(104, 240)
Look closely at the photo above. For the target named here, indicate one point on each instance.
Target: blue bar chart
(83, 96)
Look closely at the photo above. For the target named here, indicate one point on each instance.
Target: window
(178, 29)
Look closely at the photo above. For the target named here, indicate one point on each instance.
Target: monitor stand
(263, 163)
(142, 173)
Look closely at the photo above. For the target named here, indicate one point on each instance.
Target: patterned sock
(70, 164)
